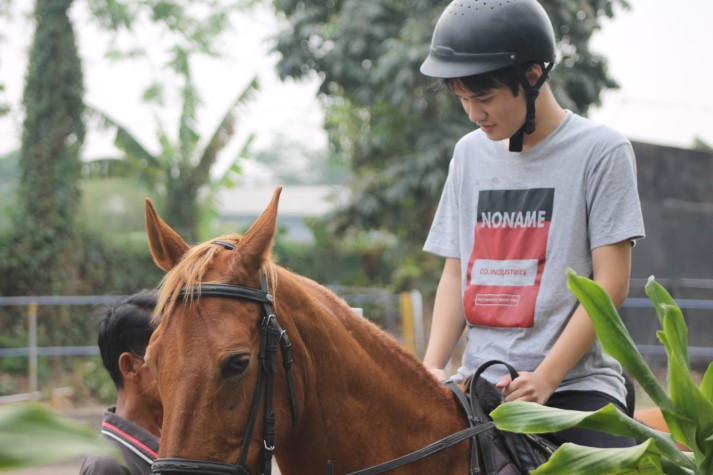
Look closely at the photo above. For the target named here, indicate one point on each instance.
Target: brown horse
(359, 397)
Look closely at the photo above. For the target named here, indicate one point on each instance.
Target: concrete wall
(676, 190)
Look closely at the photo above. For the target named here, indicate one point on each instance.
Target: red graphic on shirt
(505, 268)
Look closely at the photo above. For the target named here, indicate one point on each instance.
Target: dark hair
(481, 83)
(126, 327)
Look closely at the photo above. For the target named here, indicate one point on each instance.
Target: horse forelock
(190, 272)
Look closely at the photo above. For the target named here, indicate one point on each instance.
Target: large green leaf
(530, 417)
(614, 337)
(124, 140)
(688, 411)
(671, 318)
(574, 459)
(698, 409)
(32, 434)
(682, 389)
(226, 128)
(707, 383)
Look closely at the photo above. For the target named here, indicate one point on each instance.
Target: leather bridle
(271, 334)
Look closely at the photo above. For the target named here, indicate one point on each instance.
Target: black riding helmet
(479, 36)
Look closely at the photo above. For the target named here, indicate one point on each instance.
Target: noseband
(270, 335)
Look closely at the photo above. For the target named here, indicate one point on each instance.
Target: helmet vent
(461, 8)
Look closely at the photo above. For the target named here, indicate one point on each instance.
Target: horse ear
(256, 243)
(167, 247)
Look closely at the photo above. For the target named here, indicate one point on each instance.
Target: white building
(240, 206)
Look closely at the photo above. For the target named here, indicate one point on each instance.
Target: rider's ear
(256, 244)
(128, 366)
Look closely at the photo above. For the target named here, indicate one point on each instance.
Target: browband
(237, 292)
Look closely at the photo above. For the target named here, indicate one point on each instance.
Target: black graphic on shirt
(505, 267)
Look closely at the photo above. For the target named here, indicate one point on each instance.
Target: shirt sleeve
(613, 200)
(443, 238)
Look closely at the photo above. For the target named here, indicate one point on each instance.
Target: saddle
(501, 452)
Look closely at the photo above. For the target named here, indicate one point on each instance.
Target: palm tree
(179, 175)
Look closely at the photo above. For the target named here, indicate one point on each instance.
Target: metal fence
(693, 296)
(402, 315)
(32, 351)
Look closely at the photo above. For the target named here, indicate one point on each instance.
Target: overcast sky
(659, 52)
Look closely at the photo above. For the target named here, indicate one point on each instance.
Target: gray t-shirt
(516, 221)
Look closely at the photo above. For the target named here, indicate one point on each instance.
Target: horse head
(214, 359)
(231, 322)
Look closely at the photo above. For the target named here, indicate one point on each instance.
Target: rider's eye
(235, 364)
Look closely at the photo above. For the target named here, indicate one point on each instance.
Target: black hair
(126, 326)
(481, 83)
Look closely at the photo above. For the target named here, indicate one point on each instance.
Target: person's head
(479, 47)
(124, 334)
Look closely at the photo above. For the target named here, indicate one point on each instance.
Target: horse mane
(190, 272)
(362, 329)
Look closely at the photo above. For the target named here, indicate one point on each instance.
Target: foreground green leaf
(615, 339)
(707, 383)
(574, 459)
(529, 417)
(670, 315)
(32, 434)
(682, 388)
(687, 408)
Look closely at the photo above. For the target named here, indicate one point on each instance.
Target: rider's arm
(448, 320)
(611, 269)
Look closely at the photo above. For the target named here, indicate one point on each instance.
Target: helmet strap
(516, 140)
(531, 93)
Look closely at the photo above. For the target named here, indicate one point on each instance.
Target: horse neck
(367, 399)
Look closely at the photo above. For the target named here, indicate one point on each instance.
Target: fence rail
(409, 303)
(32, 351)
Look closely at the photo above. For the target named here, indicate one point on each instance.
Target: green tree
(700, 144)
(179, 175)
(53, 132)
(46, 251)
(4, 13)
(302, 165)
(8, 185)
(385, 119)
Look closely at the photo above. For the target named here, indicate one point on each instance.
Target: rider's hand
(529, 386)
(438, 373)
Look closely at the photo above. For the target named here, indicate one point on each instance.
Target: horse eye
(235, 364)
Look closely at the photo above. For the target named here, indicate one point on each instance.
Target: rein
(435, 447)
(272, 336)
(478, 424)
